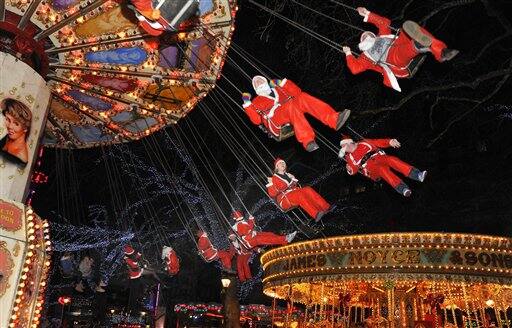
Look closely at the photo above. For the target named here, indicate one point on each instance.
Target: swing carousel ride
(112, 79)
(108, 72)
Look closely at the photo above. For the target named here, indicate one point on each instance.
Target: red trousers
(225, 259)
(403, 50)
(264, 238)
(293, 112)
(380, 167)
(242, 266)
(307, 199)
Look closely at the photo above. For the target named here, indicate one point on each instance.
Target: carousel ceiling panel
(115, 75)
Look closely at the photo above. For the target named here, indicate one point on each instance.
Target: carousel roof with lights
(445, 263)
(112, 81)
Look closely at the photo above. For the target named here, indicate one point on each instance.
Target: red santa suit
(245, 230)
(172, 262)
(132, 260)
(287, 193)
(288, 104)
(398, 51)
(210, 253)
(370, 160)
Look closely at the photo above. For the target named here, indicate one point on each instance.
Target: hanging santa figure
(283, 102)
(172, 262)
(368, 158)
(284, 188)
(246, 230)
(156, 17)
(209, 253)
(132, 259)
(390, 54)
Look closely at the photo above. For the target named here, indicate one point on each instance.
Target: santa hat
(128, 250)
(237, 215)
(278, 161)
(344, 143)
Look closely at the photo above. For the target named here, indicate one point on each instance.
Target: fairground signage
(10, 216)
(393, 259)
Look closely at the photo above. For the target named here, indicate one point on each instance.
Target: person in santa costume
(246, 230)
(368, 158)
(283, 102)
(132, 260)
(284, 188)
(172, 262)
(390, 54)
(209, 253)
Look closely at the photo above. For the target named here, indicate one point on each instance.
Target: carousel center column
(24, 239)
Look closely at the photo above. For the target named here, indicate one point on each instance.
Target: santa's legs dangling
(242, 266)
(225, 259)
(380, 166)
(318, 109)
(309, 200)
(265, 238)
(421, 40)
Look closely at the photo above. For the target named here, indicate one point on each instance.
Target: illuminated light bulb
(31, 231)
(123, 68)
(46, 224)
(11, 325)
(25, 269)
(30, 211)
(47, 263)
(20, 292)
(32, 247)
(24, 277)
(31, 238)
(30, 224)
(28, 261)
(17, 301)
(16, 308)
(48, 243)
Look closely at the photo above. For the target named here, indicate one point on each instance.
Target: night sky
(453, 119)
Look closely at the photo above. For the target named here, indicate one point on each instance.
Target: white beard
(366, 44)
(263, 90)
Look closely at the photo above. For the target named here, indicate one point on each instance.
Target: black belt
(369, 155)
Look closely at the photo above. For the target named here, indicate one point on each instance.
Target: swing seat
(415, 64)
(285, 132)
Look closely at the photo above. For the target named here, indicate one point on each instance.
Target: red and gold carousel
(396, 280)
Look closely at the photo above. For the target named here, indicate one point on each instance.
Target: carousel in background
(396, 280)
(76, 74)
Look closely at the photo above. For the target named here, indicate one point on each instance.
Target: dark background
(453, 119)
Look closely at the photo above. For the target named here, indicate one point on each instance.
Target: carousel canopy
(111, 80)
(457, 266)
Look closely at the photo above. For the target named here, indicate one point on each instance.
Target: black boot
(342, 118)
(448, 54)
(403, 189)
(417, 175)
(312, 146)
